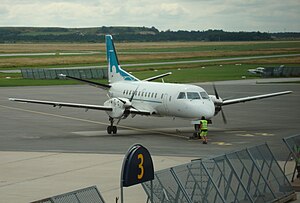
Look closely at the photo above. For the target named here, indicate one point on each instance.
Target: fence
(293, 144)
(281, 72)
(53, 73)
(86, 195)
(250, 175)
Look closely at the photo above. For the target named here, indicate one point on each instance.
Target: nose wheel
(111, 129)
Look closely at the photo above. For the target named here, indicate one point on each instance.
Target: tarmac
(47, 151)
(30, 176)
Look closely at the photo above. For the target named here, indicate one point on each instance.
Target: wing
(61, 104)
(95, 84)
(82, 106)
(245, 99)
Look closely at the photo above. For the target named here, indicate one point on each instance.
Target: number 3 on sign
(141, 167)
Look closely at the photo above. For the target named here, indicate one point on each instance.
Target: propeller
(220, 104)
(128, 106)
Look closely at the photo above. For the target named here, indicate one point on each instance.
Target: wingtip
(287, 92)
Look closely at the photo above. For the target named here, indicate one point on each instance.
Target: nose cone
(202, 108)
(207, 110)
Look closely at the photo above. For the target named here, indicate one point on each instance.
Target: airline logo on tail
(115, 72)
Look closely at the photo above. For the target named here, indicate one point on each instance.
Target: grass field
(150, 46)
(134, 53)
(201, 74)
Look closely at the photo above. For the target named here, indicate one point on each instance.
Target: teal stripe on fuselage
(152, 101)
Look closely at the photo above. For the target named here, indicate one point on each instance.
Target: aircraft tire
(109, 129)
(114, 129)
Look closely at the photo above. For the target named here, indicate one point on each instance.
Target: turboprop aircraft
(130, 96)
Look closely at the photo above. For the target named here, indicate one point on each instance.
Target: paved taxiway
(26, 130)
(32, 127)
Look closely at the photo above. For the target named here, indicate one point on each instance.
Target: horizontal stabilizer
(158, 76)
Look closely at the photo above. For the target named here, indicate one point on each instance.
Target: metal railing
(293, 144)
(53, 73)
(85, 195)
(249, 175)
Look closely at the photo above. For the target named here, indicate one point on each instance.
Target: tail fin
(115, 72)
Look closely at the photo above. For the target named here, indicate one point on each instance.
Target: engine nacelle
(215, 100)
(126, 102)
(118, 107)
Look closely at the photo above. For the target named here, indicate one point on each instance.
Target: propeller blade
(134, 92)
(131, 98)
(122, 100)
(223, 116)
(215, 89)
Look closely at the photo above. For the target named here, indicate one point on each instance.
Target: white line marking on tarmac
(95, 122)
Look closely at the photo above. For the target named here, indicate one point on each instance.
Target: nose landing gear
(111, 129)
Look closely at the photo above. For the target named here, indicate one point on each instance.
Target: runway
(31, 127)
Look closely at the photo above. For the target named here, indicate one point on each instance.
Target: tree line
(131, 34)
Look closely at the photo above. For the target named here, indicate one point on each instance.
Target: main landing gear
(111, 128)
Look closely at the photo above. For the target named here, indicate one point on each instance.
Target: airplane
(258, 70)
(127, 95)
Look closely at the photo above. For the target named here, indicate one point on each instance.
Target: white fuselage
(162, 99)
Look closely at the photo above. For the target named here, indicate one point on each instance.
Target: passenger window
(155, 95)
(193, 95)
(162, 95)
(170, 98)
(126, 91)
(152, 95)
(142, 94)
(181, 95)
(204, 95)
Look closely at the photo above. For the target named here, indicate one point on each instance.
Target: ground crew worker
(203, 130)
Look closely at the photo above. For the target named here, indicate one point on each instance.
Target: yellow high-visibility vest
(204, 124)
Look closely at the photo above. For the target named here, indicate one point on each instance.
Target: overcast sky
(229, 15)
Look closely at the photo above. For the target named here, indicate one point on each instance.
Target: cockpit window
(193, 95)
(204, 95)
(181, 95)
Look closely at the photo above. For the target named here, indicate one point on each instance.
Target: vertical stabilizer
(115, 72)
